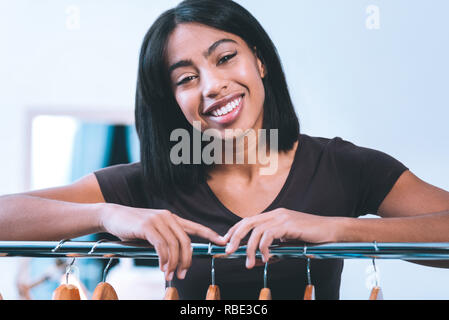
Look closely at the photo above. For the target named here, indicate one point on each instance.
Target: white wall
(382, 88)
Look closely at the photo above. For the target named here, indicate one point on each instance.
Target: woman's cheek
(188, 107)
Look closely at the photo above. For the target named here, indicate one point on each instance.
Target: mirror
(64, 148)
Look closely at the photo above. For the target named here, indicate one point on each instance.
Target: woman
(209, 65)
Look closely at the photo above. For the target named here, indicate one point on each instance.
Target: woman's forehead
(193, 38)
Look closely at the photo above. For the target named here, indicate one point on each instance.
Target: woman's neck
(251, 158)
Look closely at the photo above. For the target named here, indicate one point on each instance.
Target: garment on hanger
(376, 293)
(104, 291)
(66, 292)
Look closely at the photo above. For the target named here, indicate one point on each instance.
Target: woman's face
(216, 78)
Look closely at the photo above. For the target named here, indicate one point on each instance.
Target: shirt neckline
(278, 196)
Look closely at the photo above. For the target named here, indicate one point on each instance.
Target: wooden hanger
(213, 293)
(376, 294)
(67, 291)
(104, 291)
(376, 291)
(265, 293)
(309, 293)
(171, 293)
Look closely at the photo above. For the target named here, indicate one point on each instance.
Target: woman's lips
(229, 117)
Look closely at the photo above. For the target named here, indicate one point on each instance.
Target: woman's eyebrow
(206, 54)
(213, 47)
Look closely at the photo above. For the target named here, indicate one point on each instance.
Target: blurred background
(373, 72)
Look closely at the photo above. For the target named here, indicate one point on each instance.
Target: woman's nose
(214, 84)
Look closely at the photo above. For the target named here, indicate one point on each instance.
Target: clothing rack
(143, 250)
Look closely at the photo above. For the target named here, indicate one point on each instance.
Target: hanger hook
(209, 252)
(59, 245)
(213, 270)
(105, 271)
(309, 278)
(265, 275)
(95, 245)
(67, 271)
(374, 264)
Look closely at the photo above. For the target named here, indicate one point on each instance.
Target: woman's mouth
(228, 113)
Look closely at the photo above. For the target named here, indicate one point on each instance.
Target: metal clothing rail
(142, 250)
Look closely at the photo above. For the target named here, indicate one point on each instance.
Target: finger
(231, 231)
(173, 249)
(263, 217)
(185, 257)
(253, 244)
(265, 242)
(199, 230)
(240, 233)
(154, 237)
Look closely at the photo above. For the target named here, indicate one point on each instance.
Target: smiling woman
(211, 62)
(231, 78)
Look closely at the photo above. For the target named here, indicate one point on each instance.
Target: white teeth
(227, 108)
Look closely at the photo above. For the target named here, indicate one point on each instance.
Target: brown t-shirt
(328, 177)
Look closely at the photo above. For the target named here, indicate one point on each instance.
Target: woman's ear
(260, 65)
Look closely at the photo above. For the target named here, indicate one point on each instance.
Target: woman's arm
(79, 209)
(413, 211)
(52, 214)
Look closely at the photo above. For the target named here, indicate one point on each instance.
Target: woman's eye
(227, 58)
(185, 80)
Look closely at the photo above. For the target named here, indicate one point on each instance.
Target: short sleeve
(380, 172)
(123, 184)
(372, 175)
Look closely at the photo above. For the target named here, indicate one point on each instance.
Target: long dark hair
(157, 113)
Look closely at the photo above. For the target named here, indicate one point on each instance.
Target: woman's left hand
(281, 224)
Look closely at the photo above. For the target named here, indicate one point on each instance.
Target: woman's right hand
(164, 230)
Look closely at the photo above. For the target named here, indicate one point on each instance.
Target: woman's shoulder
(128, 169)
(342, 151)
(123, 184)
(322, 143)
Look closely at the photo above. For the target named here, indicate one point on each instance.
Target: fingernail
(182, 274)
(164, 267)
(247, 262)
(170, 276)
(228, 248)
